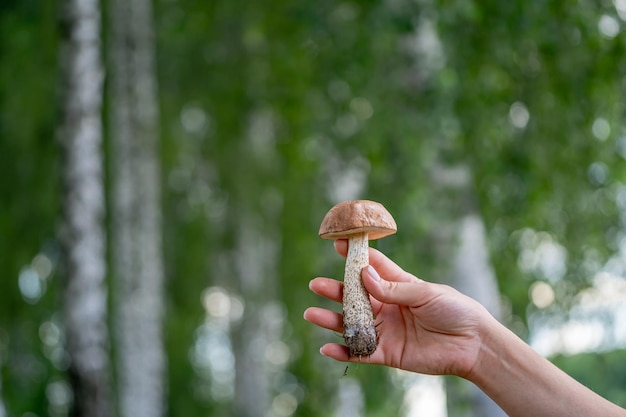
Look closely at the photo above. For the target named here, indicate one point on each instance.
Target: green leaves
(277, 109)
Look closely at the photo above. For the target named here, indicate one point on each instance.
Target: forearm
(524, 383)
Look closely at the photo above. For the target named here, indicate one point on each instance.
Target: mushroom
(359, 221)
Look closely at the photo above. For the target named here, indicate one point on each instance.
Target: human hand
(422, 327)
(433, 329)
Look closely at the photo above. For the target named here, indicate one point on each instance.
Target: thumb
(414, 293)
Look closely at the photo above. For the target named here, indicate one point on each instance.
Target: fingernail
(373, 273)
(322, 352)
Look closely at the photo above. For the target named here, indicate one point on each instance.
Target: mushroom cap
(357, 216)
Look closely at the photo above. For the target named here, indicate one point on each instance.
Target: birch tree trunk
(3, 411)
(256, 265)
(136, 218)
(82, 235)
(473, 275)
(472, 272)
(262, 321)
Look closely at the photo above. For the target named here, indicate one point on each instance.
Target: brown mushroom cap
(357, 216)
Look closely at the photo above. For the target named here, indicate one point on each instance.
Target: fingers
(324, 318)
(327, 288)
(413, 293)
(333, 321)
(333, 290)
(340, 353)
(385, 266)
(336, 351)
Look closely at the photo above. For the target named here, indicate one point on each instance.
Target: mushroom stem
(358, 320)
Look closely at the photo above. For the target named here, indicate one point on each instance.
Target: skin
(433, 329)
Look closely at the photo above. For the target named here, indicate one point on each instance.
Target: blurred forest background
(164, 167)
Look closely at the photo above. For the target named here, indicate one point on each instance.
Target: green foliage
(267, 106)
(29, 192)
(554, 60)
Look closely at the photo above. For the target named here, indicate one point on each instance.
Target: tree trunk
(82, 235)
(262, 321)
(350, 398)
(3, 411)
(472, 272)
(136, 218)
(473, 275)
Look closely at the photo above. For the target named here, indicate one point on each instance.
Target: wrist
(493, 342)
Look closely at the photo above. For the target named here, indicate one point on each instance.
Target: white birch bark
(473, 275)
(257, 255)
(3, 411)
(83, 236)
(256, 268)
(350, 398)
(472, 272)
(136, 219)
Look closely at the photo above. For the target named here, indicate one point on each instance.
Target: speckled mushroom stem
(358, 319)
